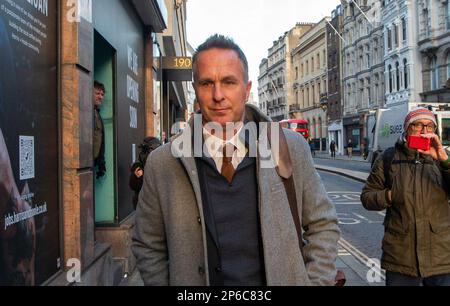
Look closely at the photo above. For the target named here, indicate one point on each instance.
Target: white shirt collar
(213, 146)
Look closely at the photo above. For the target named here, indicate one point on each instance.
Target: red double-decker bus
(296, 125)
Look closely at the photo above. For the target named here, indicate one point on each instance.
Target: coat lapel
(190, 166)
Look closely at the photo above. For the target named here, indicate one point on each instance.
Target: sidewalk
(339, 157)
(355, 271)
(356, 175)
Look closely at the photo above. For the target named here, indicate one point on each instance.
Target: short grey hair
(219, 41)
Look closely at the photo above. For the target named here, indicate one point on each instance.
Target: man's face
(98, 97)
(220, 86)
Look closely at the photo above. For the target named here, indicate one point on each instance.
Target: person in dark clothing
(413, 187)
(350, 148)
(137, 169)
(99, 130)
(212, 212)
(333, 148)
(312, 147)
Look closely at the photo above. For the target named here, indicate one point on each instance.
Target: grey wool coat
(170, 235)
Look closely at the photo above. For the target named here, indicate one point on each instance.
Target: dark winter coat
(417, 224)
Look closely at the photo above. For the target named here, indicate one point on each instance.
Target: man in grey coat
(219, 215)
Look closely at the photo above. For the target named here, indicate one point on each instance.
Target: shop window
(105, 192)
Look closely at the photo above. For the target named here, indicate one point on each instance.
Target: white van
(387, 127)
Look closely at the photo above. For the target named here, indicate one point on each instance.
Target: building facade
(363, 73)
(434, 47)
(311, 81)
(403, 64)
(334, 65)
(279, 72)
(81, 221)
(263, 86)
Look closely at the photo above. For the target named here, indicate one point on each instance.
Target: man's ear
(248, 90)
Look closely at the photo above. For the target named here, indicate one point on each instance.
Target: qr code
(26, 153)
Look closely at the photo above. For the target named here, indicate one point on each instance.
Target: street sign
(177, 69)
(177, 63)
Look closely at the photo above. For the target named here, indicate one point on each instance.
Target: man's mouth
(220, 110)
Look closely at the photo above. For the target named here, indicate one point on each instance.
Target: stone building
(277, 91)
(434, 47)
(363, 62)
(310, 84)
(403, 65)
(334, 101)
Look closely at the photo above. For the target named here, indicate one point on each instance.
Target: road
(361, 228)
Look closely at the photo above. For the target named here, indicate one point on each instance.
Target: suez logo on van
(388, 130)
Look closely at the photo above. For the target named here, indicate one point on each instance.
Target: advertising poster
(29, 212)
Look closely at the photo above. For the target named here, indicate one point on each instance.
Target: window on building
(406, 73)
(318, 61)
(375, 55)
(404, 29)
(390, 78)
(427, 22)
(397, 76)
(395, 35)
(296, 73)
(447, 15)
(448, 66)
(389, 39)
(302, 99)
(376, 92)
(313, 89)
(368, 60)
(361, 97)
(312, 64)
(434, 74)
(324, 63)
(307, 67)
(307, 97)
(301, 71)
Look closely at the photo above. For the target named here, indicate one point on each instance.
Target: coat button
(199, 220)
(201, 271)
(218, 269)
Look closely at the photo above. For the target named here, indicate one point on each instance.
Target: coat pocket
(440, 242)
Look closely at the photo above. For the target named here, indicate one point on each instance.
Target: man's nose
(217, 93)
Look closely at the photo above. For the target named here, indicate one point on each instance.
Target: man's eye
(206, 84)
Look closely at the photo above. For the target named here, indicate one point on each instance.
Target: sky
(253, 24)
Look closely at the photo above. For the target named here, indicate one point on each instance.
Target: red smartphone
(420, 143)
